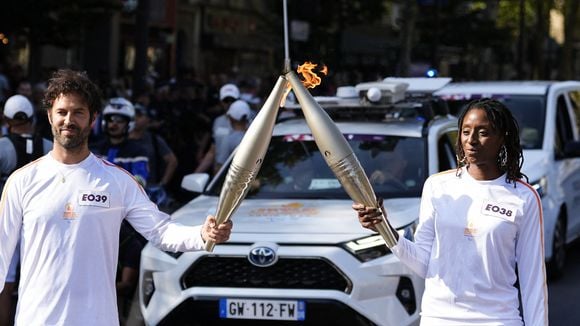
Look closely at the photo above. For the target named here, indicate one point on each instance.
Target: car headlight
(541, 186)
(374, 246)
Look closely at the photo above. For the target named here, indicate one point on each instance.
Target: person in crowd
(162, 160)
(476, 224)
(24, 88)
(67, 208)
(18, 148)
(4, 84)
(116, 147)
(238, 115)
(221, 128)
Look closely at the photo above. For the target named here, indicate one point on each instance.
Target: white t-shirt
(470, 236)
(70, 237)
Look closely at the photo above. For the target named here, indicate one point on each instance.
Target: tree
(571, 8)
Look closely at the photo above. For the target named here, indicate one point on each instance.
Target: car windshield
(527, 109)
(294, 168)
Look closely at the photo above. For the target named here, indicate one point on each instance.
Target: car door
(568, 124)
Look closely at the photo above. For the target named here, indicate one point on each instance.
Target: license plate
(262, 309)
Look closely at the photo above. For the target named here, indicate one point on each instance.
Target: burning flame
(311, 79)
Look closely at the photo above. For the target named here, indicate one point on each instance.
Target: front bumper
(337, 288)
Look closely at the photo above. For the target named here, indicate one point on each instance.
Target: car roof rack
(377, 101)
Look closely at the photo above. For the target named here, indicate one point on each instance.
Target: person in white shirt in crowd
(476, 224)
(67, 208)
(221, 128)
(238, 115)
(18, 148)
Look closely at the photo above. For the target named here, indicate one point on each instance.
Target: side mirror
(195, 182)
(572, 149)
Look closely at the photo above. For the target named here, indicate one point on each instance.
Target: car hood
(296, 221)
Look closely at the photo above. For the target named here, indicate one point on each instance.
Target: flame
(311, 79)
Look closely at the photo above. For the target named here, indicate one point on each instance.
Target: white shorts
(14, 265)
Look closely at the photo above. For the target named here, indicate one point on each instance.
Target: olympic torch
(338, 154)
(249, 156)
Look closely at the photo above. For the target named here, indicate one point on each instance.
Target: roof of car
(405, 128)
(496, 87)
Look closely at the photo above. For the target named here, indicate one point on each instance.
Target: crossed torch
(331, 143)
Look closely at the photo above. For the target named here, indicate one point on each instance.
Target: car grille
(287, 273)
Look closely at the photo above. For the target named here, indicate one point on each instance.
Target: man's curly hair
(505, 124)
(66, 82)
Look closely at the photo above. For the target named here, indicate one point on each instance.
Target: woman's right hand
(368, 216)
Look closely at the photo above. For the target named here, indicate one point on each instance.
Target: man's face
(116, 125)
(70, 121)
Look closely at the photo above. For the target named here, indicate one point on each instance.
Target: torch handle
(386, 231)
(209, 245)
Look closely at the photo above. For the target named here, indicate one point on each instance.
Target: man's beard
(73, 142)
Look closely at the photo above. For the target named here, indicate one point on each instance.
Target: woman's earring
(503, 156)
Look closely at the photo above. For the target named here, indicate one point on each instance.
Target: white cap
(18, 104)
(239, 110)
(229, 90)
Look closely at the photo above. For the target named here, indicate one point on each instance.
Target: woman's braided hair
(505, 124)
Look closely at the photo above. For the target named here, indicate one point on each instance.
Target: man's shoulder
(111, 168)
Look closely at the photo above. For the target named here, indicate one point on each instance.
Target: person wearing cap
(17, 148)
(162, 160)
(238, 114)
(221, 128)
(68, 206)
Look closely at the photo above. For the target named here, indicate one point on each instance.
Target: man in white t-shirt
(67, 208)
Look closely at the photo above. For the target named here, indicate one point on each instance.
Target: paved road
(564, 294)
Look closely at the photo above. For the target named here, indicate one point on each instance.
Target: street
(564, 294)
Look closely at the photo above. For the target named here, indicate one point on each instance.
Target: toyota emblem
(262, 256)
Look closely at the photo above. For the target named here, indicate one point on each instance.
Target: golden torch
(249, 156)
(338, 154)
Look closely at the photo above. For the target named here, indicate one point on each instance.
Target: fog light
(147, 287)
(406, 295)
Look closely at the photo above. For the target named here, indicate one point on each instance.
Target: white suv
(548, 114)
(297, 253)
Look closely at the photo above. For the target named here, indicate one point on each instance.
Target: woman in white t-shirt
(476, 224)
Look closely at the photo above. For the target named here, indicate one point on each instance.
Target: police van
(297, 253)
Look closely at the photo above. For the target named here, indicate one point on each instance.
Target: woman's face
(480, 141)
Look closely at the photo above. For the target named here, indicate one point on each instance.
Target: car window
(564, 132)
(446, 151)
(575, 101)
(294, 168)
